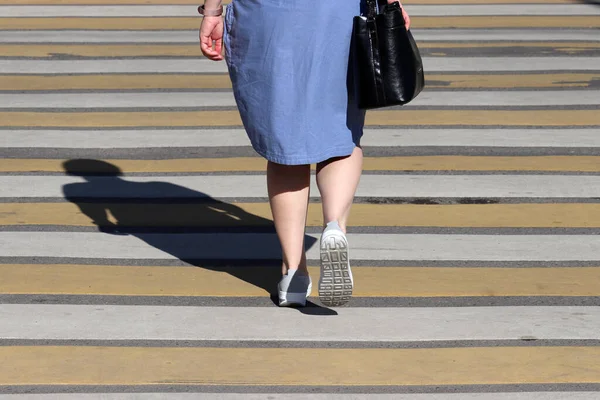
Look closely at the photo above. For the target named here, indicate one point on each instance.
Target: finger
(219, 46)
(207, 46)
(205, 50)
(210, 53)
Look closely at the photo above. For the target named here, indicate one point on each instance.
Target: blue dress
(289, 65)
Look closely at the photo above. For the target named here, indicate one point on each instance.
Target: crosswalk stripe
(259, 246)
(108, 2)
(147, 81)
(407, 163)
(226, 99)
(432, 64)
(8, 11)
(221, 81)
(409, 117)
(565, 215)
(529, 395)
(52, 322)
(190, 36)
(193, 50)
(244, 186)
(400, 281)
(381, 137)
(189, 23)
(38, 365)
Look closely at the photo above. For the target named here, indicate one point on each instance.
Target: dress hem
(278, 159)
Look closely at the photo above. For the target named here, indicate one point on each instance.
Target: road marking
(116, 280)
(191, 23)
(305, 396)
(403, 163)
(226, 99)
(119, 2)
(417, 10)
(193, 50)
(199, 65)
(190, 36)
(236, 186)
(56, 322)
(566, 215)
(264, 246)
(221, 81)
(409, 117)
(61, 365)
(125, 82)
(382, 137)
(202, 65)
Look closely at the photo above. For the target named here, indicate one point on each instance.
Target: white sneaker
(336, 282)
(294, 289)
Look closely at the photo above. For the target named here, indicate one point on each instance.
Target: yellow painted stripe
(233, 281)
(503, 81)
(87, 365)
(176, 23)
(193, 50)
(222, 81)
(566, 215)
(120, 81)
(103, 50)
(121, 2)
(232, 118)
(416, 163)
(557, 45)
(506, 22)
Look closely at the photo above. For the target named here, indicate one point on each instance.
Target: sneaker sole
(335, 284)
(292, 299)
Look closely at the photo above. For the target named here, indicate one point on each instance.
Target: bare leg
(337, 180)
(289, 188)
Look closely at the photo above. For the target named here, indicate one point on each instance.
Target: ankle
(302, 270)
(341, 225)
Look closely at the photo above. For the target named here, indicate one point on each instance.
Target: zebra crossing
(138, 257)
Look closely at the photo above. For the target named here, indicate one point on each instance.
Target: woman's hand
(211, 38)
(404, 14)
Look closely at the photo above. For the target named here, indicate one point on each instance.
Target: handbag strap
(372, 7)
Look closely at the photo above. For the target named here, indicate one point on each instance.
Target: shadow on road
(189, 225)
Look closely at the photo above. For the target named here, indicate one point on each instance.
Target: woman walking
(289, 65)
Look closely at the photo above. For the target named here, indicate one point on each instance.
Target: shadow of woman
(187, 224)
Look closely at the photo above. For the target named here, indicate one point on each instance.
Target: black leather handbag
(387, 64)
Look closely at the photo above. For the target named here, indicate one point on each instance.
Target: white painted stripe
(225, 99)
(483, 137)
(190, 10)
(85, 322)
(118, 100)
(432, 64)
(255, 246)
(189, 36)
(100, 11)
(157, 186)
(306, 396)
(147, 138)
(485, 64)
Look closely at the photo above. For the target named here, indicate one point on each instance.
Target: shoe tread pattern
(335, 284)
